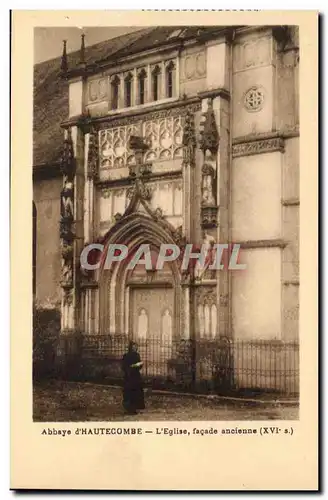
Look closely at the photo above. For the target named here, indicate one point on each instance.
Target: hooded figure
(133, 395)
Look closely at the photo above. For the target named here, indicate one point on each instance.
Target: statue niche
(209, 197)
(67, 211)
(208, 186)
(209, 143)
(67, 208)
(67, 274)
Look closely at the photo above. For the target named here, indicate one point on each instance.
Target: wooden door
(153, 327)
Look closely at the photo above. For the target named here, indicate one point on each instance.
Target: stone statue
(208, 188)
(208, 244)
(189, 140)
(67, 273)
(67, 210)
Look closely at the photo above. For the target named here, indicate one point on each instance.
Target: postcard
(164, 310)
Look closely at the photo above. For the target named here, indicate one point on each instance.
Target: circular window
(253, 99)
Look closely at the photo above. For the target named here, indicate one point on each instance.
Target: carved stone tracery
(151, 116)
(163, 137)
(93, 155)
(258, 146)
(206, 307)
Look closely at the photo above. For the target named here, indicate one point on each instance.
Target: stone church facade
(173, 135)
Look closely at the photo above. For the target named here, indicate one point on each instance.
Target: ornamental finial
(64, 64)
(82, 50)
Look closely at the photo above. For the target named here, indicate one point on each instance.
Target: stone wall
(46, 195)
(265, 186)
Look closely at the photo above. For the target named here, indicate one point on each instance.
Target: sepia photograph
(164, 251)
(166, 223)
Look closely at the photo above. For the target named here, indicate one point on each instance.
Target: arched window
(128, 91)
(142, 86)
(156, 76)
(115, 88)
(34, 234)
(170, 80)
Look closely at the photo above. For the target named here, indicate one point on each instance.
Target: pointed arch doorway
(152, 318)
(140, 304)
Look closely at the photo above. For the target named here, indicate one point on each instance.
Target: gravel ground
(58, 401)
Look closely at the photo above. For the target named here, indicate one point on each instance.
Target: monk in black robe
(133, 395)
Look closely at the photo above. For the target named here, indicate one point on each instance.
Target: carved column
(189, 143)
(78, 141)
(209, 145)
(67, 232)
(215, 136)
(216, 147)
(188, 165)
(91, 174)
(221, 108)
(89, 309)
(71, 226)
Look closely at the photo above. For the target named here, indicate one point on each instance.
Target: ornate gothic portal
(139, 302)
(143, 304)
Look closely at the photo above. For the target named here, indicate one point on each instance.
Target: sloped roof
(51, 91)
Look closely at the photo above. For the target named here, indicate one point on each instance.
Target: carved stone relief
(208, 185)
(252, 52)
(209, 217)
(193, 66)
(258, 146)
(163, 136)
(201, 268)
(98, 90)
(209, 209)
(254, 98)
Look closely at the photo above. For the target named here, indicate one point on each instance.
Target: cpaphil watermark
(216, 256)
